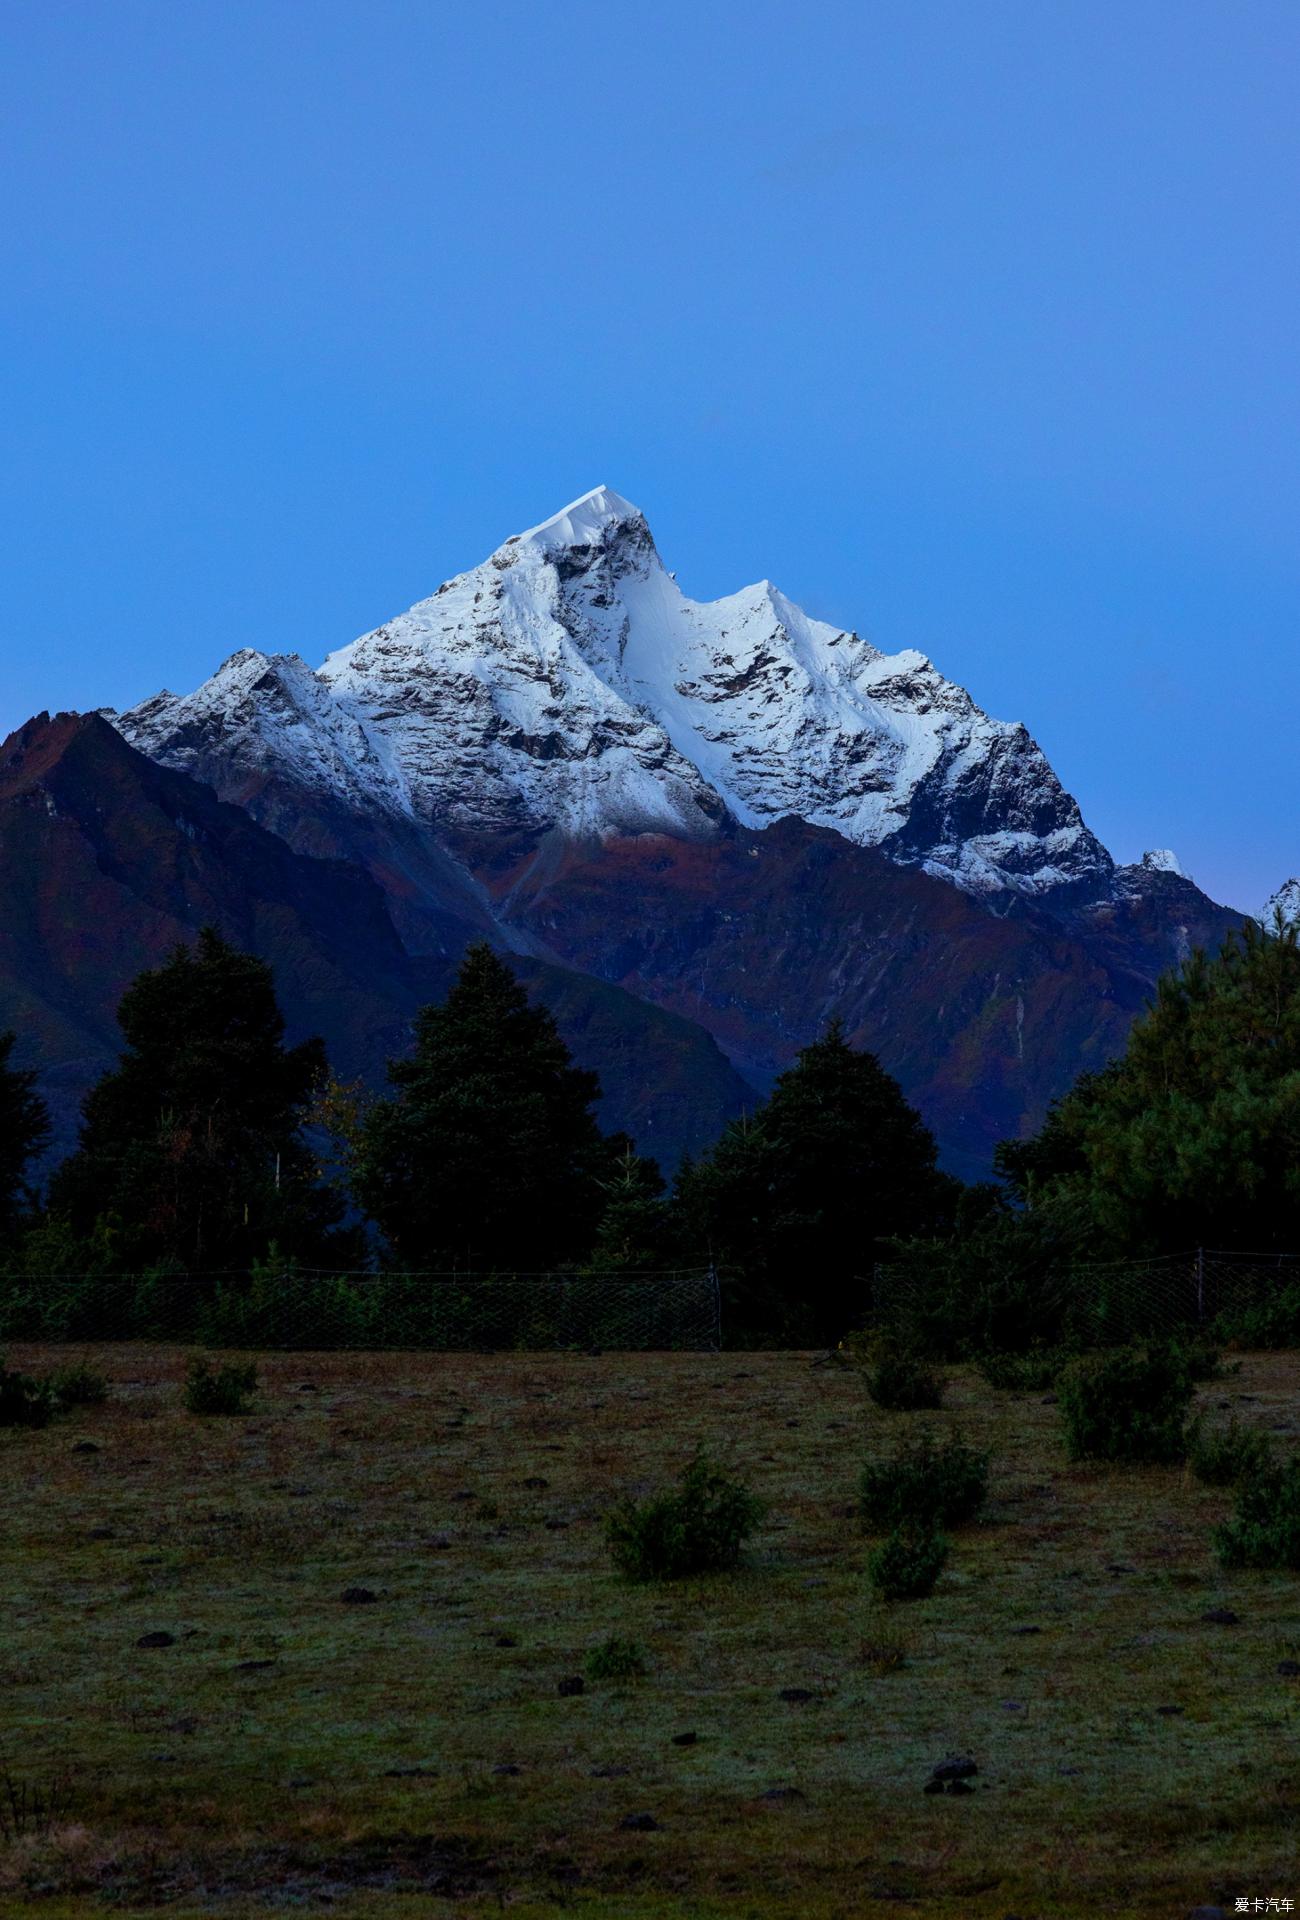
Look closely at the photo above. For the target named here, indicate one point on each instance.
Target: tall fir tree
(636, 1225)
(488, 1156)
(799, 1200)
(192, 1152)
(24, 1131)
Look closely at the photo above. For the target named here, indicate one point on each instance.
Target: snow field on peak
(568, 682)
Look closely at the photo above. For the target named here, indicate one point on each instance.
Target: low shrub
(925, 1485)
(24, 1400)
(78, 1387)
(901, 1381)
(1224, 1456)
(616, 1659)
(1002, 1283)
(907, 1563)
(223, 1390)
(884, 1649)
(1130, 1404)
(1030, 1372)
(698, 1527)
(1200, 1359)
(1274, 1322)
(1264, 1530)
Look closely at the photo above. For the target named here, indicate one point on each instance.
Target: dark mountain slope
(107, 859)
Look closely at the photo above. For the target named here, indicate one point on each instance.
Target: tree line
(212, 1145)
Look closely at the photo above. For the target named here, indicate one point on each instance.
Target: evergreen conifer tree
(799, 1200)
(192, 1152)
(636, 1226)
(24, 1130)
(488, 1155)
(1193, 1136)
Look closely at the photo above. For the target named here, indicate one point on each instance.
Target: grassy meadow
(413, 1754)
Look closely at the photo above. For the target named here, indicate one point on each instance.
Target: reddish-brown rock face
(107, 860)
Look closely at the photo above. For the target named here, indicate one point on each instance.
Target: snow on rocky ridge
(1285, 901)
(567, 683)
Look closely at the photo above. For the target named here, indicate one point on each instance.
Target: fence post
(1200, 1286)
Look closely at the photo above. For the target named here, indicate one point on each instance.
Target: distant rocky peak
(597, 519)
(567, 684)
(1285, 901)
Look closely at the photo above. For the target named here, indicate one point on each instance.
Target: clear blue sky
(973, 325)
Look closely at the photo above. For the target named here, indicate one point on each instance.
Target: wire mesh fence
(303, 1308)
(1104, 1302)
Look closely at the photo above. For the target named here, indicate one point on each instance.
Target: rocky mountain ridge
(567, 684)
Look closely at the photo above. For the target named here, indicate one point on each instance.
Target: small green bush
(1227, 1455)
(24, 1400)
(924, 1485)
(616, 1659)
(1264, 1530)
(223, 1390)
(699, 1527)
(1030, 1372)
(1274, 1322)
(78, 1387)
(907, 1563)
(901, 1381)
(1200, 1359)
(1126, 1405)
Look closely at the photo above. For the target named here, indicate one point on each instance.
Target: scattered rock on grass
(159, 1639)
(685, 1739)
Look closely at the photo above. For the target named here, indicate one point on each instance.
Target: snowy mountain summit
(568, 684)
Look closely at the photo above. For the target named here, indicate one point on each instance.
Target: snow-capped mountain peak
(1285, 901)
(567, 683)
(585, 522)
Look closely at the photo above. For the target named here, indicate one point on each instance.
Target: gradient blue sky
(973, 325)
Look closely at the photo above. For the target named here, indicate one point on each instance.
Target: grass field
(412, 1756)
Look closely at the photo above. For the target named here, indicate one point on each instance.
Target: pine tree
(488, 1156)
(636, 1226)
(24, 1130)
(799, 1200)
(1193, 1136)
(191, 1151)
